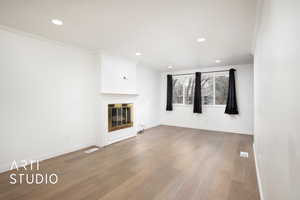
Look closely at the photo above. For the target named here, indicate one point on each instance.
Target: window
(207, 86)
(214, 89)
(221, 89)
(183, 89)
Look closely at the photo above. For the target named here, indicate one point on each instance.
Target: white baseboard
(152, 126)
(7, 166)
(258, 175)
(125, 137)
(120, 139)
(207, 129)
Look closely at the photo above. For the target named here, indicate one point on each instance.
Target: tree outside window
(214, 89)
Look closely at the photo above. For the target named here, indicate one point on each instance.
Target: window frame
(184, 92)
(226, 74)
(214, 75)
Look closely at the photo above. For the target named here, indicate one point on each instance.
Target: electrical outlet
(244, 154)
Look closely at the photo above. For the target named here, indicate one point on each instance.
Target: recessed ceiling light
(170, 67)
(201, 39)
(218, 61)
(138, 53)
(57, 22)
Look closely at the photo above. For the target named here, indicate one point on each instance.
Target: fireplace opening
(119, 116)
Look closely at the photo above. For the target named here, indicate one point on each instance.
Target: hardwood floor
(164, 163)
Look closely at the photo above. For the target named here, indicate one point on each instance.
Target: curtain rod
(201, 72)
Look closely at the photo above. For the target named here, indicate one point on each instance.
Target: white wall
(47, 98)
(277, 97)
(148, 100)
(213, 117)
(51, 101)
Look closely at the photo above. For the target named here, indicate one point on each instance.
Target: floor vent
(91, 150)
(244, 154)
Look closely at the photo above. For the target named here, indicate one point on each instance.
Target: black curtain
(231, 106)
(197, 94)
(169, 92)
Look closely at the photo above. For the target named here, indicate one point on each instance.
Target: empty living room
(149, 100)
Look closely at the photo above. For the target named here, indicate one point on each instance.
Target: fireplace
(119, 116)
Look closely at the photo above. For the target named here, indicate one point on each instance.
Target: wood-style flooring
(164, 163)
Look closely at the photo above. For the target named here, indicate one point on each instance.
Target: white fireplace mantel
(118, 94)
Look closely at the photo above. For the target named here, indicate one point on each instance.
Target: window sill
(182, 105)
(214, 106)
(205, 106)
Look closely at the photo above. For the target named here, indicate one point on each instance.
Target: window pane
(177, 90)
(221, 89)
(207, 90)
(189, 84)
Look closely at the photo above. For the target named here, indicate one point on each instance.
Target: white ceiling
(164, 31)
